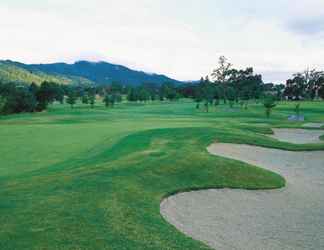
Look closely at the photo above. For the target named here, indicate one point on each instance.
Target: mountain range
(81, 72)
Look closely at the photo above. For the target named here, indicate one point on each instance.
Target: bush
(269, 103)
(18, 100)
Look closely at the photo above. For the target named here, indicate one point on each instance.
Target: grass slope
(94, 179)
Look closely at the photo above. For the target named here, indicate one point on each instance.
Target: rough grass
(94, 179)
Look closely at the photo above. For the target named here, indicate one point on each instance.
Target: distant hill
(9, 72)
(82, 72)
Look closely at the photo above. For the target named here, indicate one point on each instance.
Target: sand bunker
(288, 218)
(297, 136)
(313, 125)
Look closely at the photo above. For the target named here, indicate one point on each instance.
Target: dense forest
(226, 84)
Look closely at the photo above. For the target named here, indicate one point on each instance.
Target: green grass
(94, 179)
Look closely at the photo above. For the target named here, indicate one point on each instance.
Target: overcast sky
(180, 38)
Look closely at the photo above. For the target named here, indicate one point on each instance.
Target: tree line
(226, 84)
(305, 85)
(18, 97)
(235, 86)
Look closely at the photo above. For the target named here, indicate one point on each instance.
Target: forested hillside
(12, 73)
(82, 72)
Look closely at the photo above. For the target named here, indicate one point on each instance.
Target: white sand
(297, 136)
(289, 218)
(314, 125)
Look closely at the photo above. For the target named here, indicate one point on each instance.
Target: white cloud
(180, 38)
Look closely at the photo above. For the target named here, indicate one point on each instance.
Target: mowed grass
(94, 179)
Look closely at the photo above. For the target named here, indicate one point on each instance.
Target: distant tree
(313, 80)
(198, 96)
(305, 85)
(319, 86)
(118, 97)
(59, 95)
(321, 91)
(269, 103)
(152, 89)
(245, 95)
(187, 90)
(48, 93)
(110, 100)
(6, 90)
(168, 91)
(85, 99)
(244, 81)
(2, 103)
(133, 95)
(92, 100)
(231, 96)
(71, 97)
(107, 101)
(116, 87)
(161, 95)
(17, 99)
(207, 91)
(221, 74)
(143, 95)
(2, 98)
(295, 88)
(279, 89)
(216, 96)
(237, 80)
(153, 96)
(92, 97)
(33, 88)
(113, 100)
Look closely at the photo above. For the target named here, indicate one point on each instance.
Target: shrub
(269, 103)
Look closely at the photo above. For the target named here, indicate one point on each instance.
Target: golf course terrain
(87, 178)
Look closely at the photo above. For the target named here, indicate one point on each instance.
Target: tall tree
(242, 80)
(207, 91)
(221, 74)
(198, 95)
